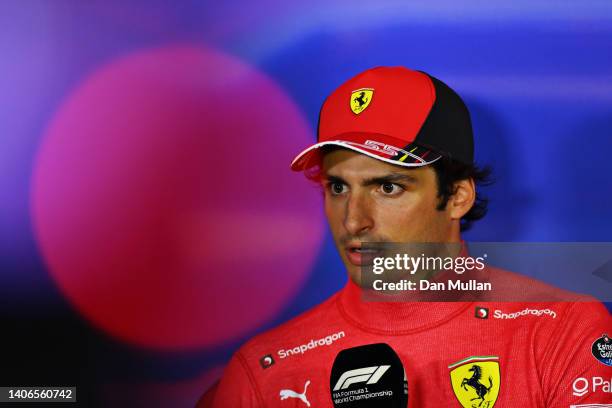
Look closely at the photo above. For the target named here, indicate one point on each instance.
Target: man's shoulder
(515, 287)
(317, 326)
(519, 296)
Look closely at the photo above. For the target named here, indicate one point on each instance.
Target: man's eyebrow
(333, 179)
(387, 178)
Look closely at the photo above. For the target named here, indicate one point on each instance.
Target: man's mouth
(360, 256)
(364, 250)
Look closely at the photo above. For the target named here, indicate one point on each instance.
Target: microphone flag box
(371, 375)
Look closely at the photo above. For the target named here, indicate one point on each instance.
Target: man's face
(372, 201)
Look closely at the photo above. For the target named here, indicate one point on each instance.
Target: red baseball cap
(396, 115)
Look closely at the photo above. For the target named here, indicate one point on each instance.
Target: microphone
(369, 376)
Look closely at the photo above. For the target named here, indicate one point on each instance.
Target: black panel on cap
(448, 127)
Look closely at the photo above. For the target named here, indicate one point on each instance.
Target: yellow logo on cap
(360, 99)
(476, 381)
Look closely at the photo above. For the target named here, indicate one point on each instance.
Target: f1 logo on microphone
(368, 375)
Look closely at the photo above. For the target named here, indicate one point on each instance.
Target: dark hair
(448, 172)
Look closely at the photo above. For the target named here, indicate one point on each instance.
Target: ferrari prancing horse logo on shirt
(476, 381)
(360, 99)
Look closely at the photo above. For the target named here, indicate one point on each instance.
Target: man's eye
(391, 188)
(337, 188)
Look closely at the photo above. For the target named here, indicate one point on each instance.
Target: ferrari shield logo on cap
(476, 381)
(360, 99)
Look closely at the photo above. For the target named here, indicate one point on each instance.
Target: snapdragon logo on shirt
(498, 314)
(312, 344)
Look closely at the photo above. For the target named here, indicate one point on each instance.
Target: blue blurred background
(133, 130)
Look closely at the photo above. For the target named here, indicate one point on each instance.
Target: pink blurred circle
(163, 202)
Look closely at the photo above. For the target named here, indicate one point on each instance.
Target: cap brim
(411, 155)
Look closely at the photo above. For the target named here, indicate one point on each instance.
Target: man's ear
(462, 199)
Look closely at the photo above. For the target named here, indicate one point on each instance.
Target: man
(395, 159)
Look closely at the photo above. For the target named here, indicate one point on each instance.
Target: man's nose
(358, 217)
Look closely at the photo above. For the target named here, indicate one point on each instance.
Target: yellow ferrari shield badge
(360, 99)
(476, 381)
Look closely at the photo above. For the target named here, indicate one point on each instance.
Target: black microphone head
(368, 376)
